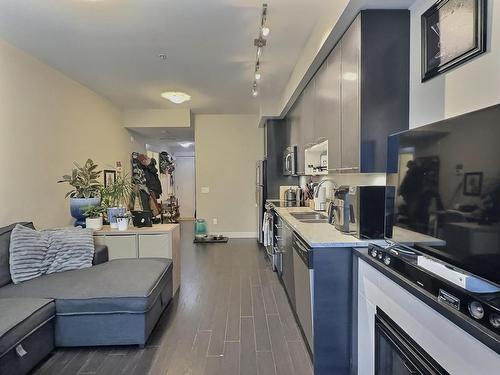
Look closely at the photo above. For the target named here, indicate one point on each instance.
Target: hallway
(231, 316)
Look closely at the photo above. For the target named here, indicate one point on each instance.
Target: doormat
(211, 239)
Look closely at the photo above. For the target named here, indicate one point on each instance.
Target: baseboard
(238, 234)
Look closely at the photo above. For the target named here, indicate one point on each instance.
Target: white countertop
(155, 229)
(325, 235)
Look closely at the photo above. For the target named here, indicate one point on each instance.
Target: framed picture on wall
(473, 183)
(109, 177)
(453, 31)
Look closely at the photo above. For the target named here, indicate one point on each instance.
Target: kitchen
(327, 223)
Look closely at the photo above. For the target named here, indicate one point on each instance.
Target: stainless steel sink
(314, 220)
(309, 217)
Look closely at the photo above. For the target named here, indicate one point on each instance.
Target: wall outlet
(214, 221)
(205, 190)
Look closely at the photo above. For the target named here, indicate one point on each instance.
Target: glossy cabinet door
(328, 106)
(296, 134)
(351, 109)
(308, 115)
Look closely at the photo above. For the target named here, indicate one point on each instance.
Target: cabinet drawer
(121, 246)
(155, 246)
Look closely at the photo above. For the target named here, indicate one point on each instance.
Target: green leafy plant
(118, 193)
(84, 180)
(93, 212)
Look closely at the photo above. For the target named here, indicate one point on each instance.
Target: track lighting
(260, 43)
(255, 91)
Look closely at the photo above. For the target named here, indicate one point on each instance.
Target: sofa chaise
(115, 302)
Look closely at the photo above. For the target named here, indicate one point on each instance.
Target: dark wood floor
(231, 316)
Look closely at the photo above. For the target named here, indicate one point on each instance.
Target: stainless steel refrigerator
(260, 196)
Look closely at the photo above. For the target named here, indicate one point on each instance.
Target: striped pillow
(35, 253)
(69, 249)
(27, 253)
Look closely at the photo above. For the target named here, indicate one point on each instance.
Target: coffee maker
(342, 209)
(360, 211)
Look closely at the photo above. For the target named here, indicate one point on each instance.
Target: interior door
(185, 186)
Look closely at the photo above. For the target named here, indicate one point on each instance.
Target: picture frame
(109, 177)
(473, 183)
(453, 32)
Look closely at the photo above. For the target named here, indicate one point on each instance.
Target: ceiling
(165, 139)
(112, 46)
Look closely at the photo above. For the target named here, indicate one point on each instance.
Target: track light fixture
(260, 43)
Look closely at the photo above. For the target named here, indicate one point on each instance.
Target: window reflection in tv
(447, 180)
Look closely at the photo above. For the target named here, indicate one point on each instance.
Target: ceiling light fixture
(176, 97)
(257, 71)
(260, 43)
(255, 91)
(185, 144)
(162, 56)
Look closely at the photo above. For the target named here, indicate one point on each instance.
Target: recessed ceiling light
(185, 144)
(176, 97)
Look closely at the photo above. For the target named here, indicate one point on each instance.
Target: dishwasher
(304, 286)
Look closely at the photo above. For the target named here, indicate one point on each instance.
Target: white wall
(47, 121)
(469, 87)
(227, 149)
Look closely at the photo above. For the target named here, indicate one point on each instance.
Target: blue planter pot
(76, 206)
(113, 212)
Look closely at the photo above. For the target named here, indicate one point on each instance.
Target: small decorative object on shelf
(86, 189)
(122, 222)
(453, 31)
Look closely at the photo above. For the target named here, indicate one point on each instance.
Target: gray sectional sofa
(115, 302)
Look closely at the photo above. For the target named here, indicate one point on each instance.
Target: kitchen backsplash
(346, 179)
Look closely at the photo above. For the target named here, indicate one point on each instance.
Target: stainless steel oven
(396, 353)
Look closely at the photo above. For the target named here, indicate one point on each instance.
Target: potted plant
(115, 198)
(93, 216)
(86, 189)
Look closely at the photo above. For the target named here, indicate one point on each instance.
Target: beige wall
(47, 121)
(227, 149)
(471, 86)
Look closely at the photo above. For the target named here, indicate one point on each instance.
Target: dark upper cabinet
(327, 106)
(307, 119)
(359, 95)
(277, 138)
(296, 133)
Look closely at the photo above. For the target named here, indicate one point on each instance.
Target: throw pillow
(27, 252)
(35, 253)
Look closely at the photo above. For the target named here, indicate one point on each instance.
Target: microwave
(290, 161)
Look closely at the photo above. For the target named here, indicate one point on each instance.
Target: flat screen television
(446, 179)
